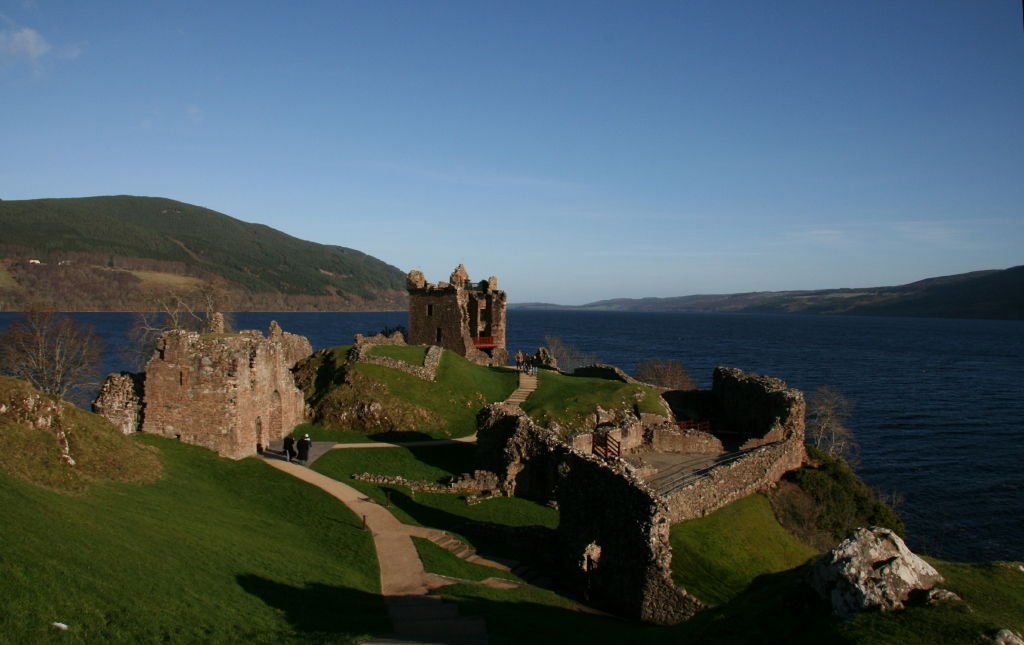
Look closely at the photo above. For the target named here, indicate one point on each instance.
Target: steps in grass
(527, 385)
(468, 553)
(427, 620)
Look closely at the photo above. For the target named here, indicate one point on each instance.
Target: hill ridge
(131, 233)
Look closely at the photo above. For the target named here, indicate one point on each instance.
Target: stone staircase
(468, 553)
(427, 620)
(527, 385)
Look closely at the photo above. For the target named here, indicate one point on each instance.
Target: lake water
(939, 403)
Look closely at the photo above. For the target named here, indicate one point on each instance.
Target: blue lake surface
(939, 403)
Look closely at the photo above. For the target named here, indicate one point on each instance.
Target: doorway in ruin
(259, 435)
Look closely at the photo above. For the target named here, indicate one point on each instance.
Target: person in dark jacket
(303, 447)
(289, 448)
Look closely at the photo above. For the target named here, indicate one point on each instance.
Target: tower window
(430, 310)
(439, 334)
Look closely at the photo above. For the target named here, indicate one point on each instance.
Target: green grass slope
(433, 463)
(343, 397)
(259, 258)
(445, 563)
(568, 400)
(716, 557)
(216, 551)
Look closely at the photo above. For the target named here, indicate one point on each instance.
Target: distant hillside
(101, 253)
(980, 294)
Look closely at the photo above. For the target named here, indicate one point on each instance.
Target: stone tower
(462, 316)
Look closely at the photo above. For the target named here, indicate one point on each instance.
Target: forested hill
(133, 243)
(980, 294)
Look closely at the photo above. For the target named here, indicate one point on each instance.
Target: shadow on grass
(452, 458)
(425, 515)
(774, 609)
(321, 609)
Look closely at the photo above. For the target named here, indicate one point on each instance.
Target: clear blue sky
(578, 151)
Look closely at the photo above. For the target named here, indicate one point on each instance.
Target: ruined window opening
(181, 379)
(439, 334)
(430, 310)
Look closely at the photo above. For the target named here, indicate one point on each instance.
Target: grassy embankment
(366, 402)
(205, 549)
(568, 400)
(431, 463)
(442, 562)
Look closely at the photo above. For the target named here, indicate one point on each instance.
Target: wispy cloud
(22, 45)
(25, 45)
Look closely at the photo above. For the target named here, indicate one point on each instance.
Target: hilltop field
(151, 540)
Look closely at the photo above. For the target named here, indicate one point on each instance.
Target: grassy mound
(432, 463)
(413, 355)
(217, 551)
(716, 557)
(569, 400)
(100, 450)
(372, 399)
(822, 502)
(445, 563)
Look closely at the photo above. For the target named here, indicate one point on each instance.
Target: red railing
(606, 446)
(484, 342)
(700, 426)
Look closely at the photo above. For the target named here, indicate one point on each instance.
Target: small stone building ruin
(620, 488)
(226, 392)
(462, 316)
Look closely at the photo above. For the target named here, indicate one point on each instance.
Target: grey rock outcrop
(871, 569)
(1006, 637)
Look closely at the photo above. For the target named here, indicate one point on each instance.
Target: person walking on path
(519, 360)
(303, 446)
(289, 448)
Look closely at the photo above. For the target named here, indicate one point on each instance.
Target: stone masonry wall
(760, 409)
(451, 314)
(671, 438)
(608, 514)
(729, 482)
(120, 401)
(225, 393)
(360, 354)
(524, 456)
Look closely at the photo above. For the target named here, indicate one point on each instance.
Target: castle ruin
(621, 487)
(227, 392)
(461, 316)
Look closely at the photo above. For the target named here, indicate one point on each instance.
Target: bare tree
(567, 355)
(56, 355)
(828, 411)
(175, 309)
(665, 373)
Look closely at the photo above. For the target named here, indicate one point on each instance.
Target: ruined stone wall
(427, 372)
(608, 372)
(760, 409)
(608, 514)
(225, 393)
(670, 438)
(729, 482)
(120, 401)
(294, 347)
(523, 455)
